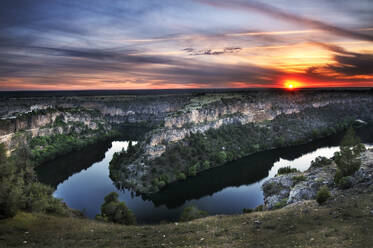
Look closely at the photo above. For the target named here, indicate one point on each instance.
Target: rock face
(286, 189)
(43, 123)
(204, 113)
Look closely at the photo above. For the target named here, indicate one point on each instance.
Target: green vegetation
(345, 182)
(280, 204)
(19, 189)
(45, 148)
(115, 211)
(299, 178)
(286, 170)
(181, 176)
(347, 159)
(303, 225)
(192, 213)
(124, 156)
(321, 162)
(322, 195)
(201, 151)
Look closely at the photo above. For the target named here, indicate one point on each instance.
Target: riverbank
(286, 189)
(344, 221)
(202, 151)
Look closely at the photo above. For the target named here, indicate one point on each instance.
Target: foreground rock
(291, 188)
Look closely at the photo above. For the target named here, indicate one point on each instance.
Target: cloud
(226, 50)
(346, 63)
(74, 64)
(289, 17)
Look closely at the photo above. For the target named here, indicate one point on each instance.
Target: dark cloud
(225, 50)
(347, 63)
(20, 62)
(289, 17)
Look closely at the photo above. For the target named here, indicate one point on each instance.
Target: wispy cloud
(287, 16)
(82, 44)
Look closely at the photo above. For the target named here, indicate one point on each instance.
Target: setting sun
(292, 84)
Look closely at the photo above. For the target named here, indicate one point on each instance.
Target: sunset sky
(146, 44)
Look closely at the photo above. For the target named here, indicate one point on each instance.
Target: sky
(163, 44)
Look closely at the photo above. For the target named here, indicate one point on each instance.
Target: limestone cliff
(211, 112)
(47, 122)
(220, 110)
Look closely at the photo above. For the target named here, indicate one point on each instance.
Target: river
(82, 180)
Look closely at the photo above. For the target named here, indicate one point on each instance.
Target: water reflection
(82, 180)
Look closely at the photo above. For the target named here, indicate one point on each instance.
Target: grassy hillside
(345, 221)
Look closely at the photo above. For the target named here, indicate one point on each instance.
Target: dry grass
(343, 222)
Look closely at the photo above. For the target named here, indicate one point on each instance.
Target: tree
(123, 215)
(322, 195)
(2, 153)
(191, 213)
(221, 157)
(206, 165)
(193, 170)
(115, 211)
(347, 159)
(181, 176)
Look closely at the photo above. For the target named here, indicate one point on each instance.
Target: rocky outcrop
(287, 189)
(49, 122)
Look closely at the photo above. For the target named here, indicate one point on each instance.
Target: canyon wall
(238, 109)
(48, 122)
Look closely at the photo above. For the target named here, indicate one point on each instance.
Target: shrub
(345, 182)
(206, 165)
(161, 184)
(38, 198)
(298, 179)
(338, 175)
(320, 162)
(286, 170)
(191, 213)
(322, 195)
(181, 176)
(115, 211)
(192, 170)
(220, 157)
(247, 210)
(259, 208)
(123, 215)
(280, 204)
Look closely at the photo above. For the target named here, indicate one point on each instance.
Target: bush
(38, 198)
(192, 170)
(345, 182)
(280, 204)
(161, 184)
(338, 175)
(123, 215)
(206, 165)
(322, 195)
(298, 179)
(259, 208)
(286, 170)
(115, 211)
(181, 176)
(320, 162)
(221, 157)
(247, 210)
(191, 213)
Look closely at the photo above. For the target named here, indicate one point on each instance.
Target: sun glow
(292, 84)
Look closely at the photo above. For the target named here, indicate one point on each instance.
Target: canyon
(173, 117)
